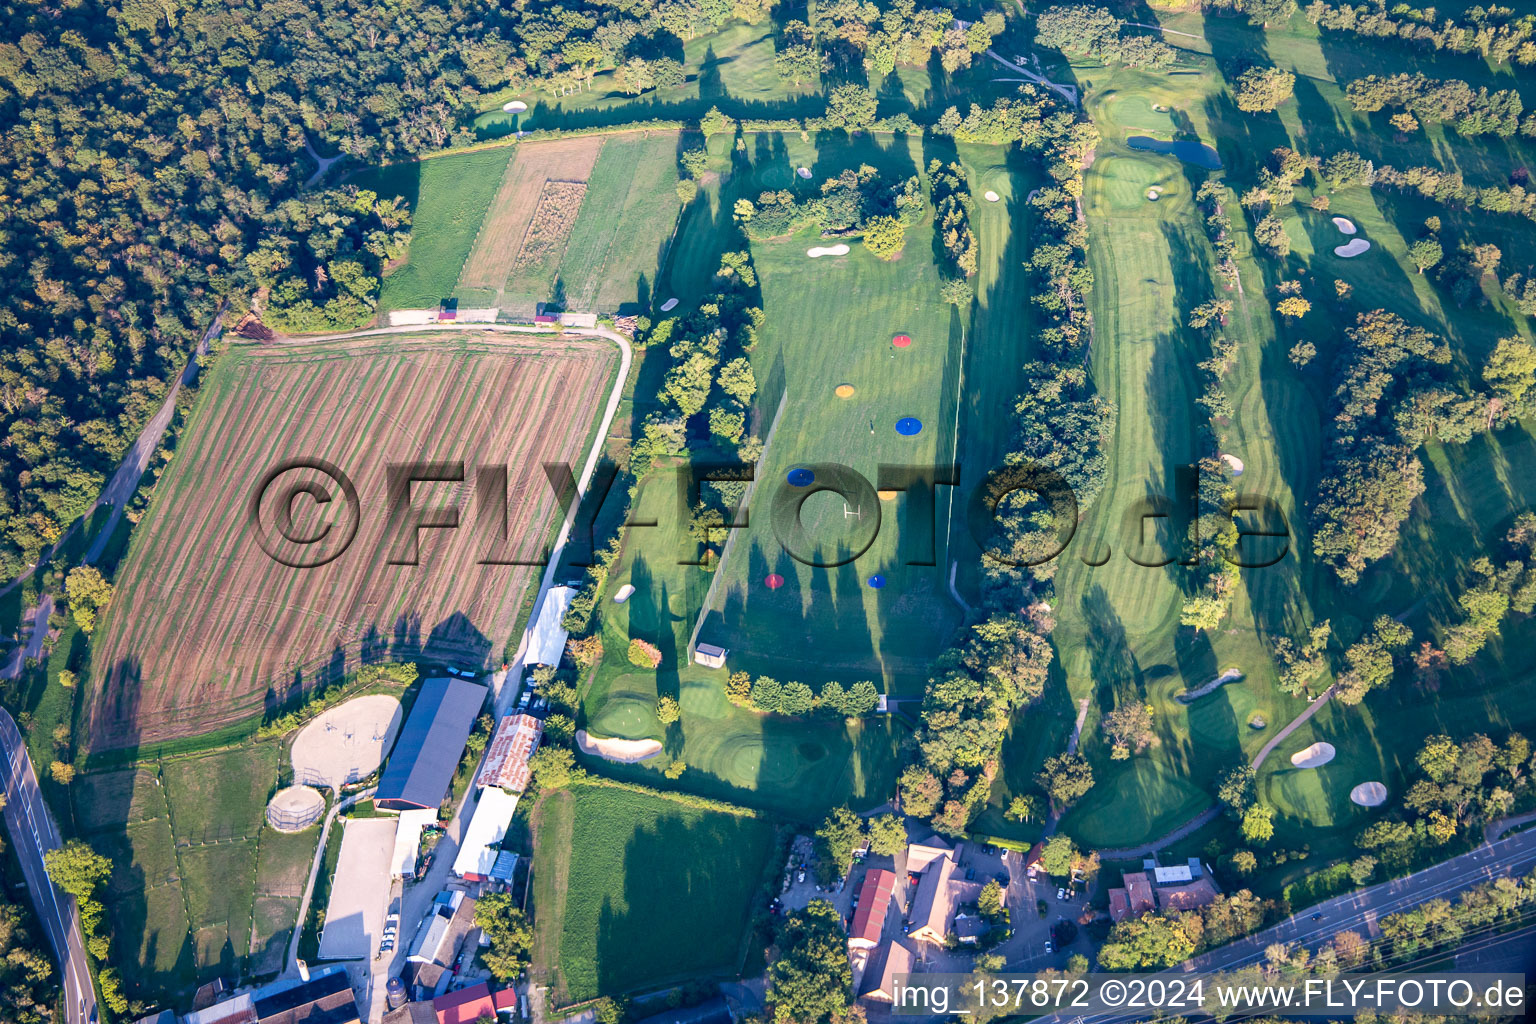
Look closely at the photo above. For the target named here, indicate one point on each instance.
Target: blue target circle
(801, 477)
(877, 581)
(908, 425)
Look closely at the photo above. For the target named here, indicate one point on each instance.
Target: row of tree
(767, 694)
(1498, 34)
(1472, 111)
(856, 203)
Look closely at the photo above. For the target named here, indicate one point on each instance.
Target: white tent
(546, 642)
(487, 828)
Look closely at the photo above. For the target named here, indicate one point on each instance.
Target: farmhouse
(939, 894)
(482, 839)
(506, 758)
(1199, 893)
(1133, 899)
(465, 1006)
(322, 997)
(422, 765)
(875, 895)
(920, 855)
(969, 928)
(438, 940)
(880, 985)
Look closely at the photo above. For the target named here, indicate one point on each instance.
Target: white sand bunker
(1369, 794)
(1234, 463)
(827, 250)
(669, 305)
(1161, 108)
(1315, 756)
(624, 751)
(804, 172)
(294, 809)
(624, 593)
(1354, 247)
(1345, 225)
(991, 196)
(515, 107)
(1154, 193)
(346, 743)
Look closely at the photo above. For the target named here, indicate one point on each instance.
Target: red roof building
(465, 1006)
(875, 897)
(505, 999)
(506, 759)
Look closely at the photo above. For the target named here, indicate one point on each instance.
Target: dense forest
(153, 167)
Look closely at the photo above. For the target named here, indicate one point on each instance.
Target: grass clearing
(221, 796)
(636, 912)
(448, 198)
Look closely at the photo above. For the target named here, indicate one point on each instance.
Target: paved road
(1359, 911)
(33, 833)
(33, 648)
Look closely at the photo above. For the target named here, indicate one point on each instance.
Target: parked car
(801, 876)
(970, 873)
(1061, 894)
(1049, 947)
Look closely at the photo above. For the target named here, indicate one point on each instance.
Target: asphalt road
(33, 833)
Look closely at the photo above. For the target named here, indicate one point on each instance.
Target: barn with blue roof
(421, 768)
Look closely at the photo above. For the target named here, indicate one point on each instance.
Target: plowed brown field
(207, 629)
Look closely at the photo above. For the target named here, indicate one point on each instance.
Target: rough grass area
(448, 199)
(222, 796)
(654, 890)
(553, 218)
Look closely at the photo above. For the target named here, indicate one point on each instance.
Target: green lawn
(1118, 636)
(655, 890)
(221, 796)
(448, 198)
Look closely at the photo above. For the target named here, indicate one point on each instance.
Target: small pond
(1197, 153)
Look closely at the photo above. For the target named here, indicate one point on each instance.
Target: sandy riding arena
(1315, 756)
(295, 809)
(624, 751)
(346, 743)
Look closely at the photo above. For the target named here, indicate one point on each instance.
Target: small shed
(710, 656)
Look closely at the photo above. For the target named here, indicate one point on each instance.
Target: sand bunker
(843, 391)
(1315, 756)
(1234, 463)
(1161, 108)
(1345, 225)
(294, 809)
(827, 250)
(1231, 675)
(804, 172)
(346, 743)
(669, 305)
(623, 594)
(1154, 193)
(991, 196)
(1354, 247)
(1369, 794)
(624, 751)
(887, 495)
(515, 107)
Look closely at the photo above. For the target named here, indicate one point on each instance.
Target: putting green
(626, 717)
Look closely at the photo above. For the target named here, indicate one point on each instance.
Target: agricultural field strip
(544, 241)
(545, 385)
(500, 237)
